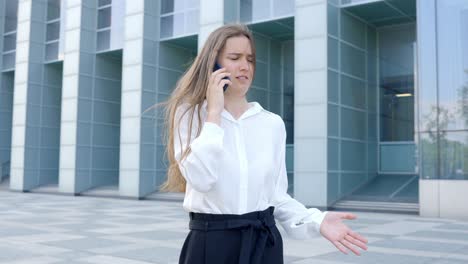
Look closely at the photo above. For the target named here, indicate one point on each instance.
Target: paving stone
(57, 229)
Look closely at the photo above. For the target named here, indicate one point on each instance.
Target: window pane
(192, 23)
(103, 40)
(427, 69)
(429, 155)
(104, 2)
(53, 9)
(397, 82)
(283, 8)
(11, 15)
(453, 78)
(167, 23)
(104, 18)
(9, 42)
(454, 155)
(172, 25)
(167, 6)
(170, 6)
(246, 10)
(9, 60)
(52, 51)
(178, 24)
(254, 10)
(193, 3)
(260, 9)
(53, 31)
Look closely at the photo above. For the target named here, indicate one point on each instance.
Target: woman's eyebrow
(238, 54)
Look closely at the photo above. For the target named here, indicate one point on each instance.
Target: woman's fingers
(224, 81)
(348, 216)
(340, 247)
(357, 236)
(350, 246)
(356, 242)
(217, 78)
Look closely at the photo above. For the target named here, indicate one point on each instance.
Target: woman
(228, 156)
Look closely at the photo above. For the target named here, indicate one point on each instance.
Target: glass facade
(261, 10)
(110, 21)
(179, 18)
(352, 108)
(390, 83)
(104, 25)
(9, 35)
(396, 77)
(443, 90)
(6, 111)
(53, 30)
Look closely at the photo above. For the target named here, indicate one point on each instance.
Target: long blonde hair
(191, 89)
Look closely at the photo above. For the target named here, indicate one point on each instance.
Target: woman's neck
(236, 106)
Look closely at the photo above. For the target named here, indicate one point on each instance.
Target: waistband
(262, 221)
(221, 217)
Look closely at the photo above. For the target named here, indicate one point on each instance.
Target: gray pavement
(44, 228)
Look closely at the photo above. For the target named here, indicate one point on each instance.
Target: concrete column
(2, 26)
(28, 114)
(138, 145)
(310, 102)
(5, 123)
(211, 18)
(78, 69)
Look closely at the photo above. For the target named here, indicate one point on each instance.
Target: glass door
(396, 90)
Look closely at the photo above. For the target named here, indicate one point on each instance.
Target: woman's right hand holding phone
(215, 95)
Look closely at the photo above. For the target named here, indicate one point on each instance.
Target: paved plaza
(45, 228)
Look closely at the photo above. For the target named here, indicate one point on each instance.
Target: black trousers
(233, 239)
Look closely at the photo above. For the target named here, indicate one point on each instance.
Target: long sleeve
(202, 166)
(298, 221)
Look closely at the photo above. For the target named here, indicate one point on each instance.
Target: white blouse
(240, 167)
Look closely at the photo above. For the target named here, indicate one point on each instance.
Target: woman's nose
(245, 65)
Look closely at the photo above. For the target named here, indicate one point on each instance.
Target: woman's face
(237, 58)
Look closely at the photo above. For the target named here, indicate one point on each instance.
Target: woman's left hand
(340, 235)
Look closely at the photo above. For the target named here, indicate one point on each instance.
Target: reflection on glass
(167, 23)
(104, 2)
(246, 10)
(171, 6)
(52, 51)
(191, 22)
(454, 155)
(53, 9)
(453, 79)
(193, 3)
(288, 89)
(9, 60)
(428, 155)
(396, 67)
(104, 17)
(254, 10)
(103, 40)
(397, 108)
(179, 18)
(172, 25)
(53, 31)
(257, 10)
(283, 8)
(11, 15)
(9, 42)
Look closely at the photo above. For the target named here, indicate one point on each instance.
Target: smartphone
(217, 67)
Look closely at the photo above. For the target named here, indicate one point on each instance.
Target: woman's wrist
(214, 117)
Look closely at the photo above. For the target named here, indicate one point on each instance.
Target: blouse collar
(254, 108)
